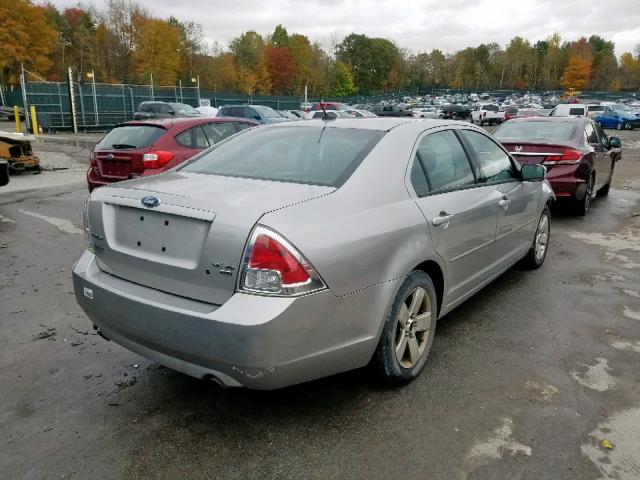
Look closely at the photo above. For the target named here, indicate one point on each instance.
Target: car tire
(540, 245)
(454, 116)
(582, 206)
(408, 331)
(481, 122)
(619, 126)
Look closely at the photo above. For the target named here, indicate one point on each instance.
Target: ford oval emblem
(150, 201)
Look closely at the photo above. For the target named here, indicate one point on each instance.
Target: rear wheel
(582, 206)
(604, 191)
(408, 332)
(538, 251)
(481, 122)
(619, 126)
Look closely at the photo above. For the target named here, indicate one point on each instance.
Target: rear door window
(243, 126)
(495, 164)
(216, 132)
(590, 134)
(444, 161)
(576, 111)
(131, 136)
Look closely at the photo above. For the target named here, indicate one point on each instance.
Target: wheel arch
(436, 273)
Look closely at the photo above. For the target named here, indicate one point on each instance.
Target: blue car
(618, 119)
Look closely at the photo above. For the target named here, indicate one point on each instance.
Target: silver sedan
(299, 250)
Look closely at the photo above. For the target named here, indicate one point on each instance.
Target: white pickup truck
(487, 113)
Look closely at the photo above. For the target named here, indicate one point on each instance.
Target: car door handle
(504, 203)
(442, 218)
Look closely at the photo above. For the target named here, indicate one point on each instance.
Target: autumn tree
(577, 74)
(158, 52)
(25, 37)
(280, 37)
(247, 49)
(280, 65)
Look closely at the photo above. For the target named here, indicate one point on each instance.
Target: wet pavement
(536, 377)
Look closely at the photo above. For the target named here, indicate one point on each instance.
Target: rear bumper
(252, 341)
(95, 180)
(569, 180)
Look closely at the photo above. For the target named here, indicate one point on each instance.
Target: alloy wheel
(588, 194)
(413, 327)
(542, 238)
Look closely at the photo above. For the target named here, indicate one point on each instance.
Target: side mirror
(4, 173)
(533, 173)
(171, 112)
(615, 142)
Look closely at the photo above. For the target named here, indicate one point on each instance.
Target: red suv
(147, 147)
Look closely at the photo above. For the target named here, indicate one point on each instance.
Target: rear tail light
(567, 157)
(156, 159)
(272, 266)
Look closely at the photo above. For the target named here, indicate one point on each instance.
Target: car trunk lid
(120, 164)
(532, 152)
(191, 243)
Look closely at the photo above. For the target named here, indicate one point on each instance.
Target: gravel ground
(533, 378)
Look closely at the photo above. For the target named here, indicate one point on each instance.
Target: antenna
(325, 116)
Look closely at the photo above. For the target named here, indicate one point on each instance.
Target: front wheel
(619, 126)
(538, 251)
(408, 332)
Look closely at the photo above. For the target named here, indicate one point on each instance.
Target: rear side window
(131, 136)
(216, 132)
(444, 161)
(419, 178)
(495, 164)
(576, 111)
(312, 155)
(193, 138)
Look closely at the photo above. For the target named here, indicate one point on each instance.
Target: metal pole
(4, 102)
(84, 120)
(95, 97)
(133, 108)
(151, 75)
(124, 104)
(198, 77)
(305, 95)
(175, 93)
(60, 103)
(23, 85)
(181, 97)
(72, 101)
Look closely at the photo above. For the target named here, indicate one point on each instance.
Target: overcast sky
(414, 24)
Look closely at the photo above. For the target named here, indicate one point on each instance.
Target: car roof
(383, 124)
(551, 119)
(185, 121)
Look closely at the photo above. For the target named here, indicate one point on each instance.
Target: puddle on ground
(627, 346)
(632, 314)
(544, 390)
(496, 446)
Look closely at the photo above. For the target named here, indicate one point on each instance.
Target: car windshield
(266, 112)
(596, 108)
(312, 155)
(535, 130)
(131, 136)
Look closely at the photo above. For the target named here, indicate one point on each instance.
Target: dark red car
(579, 157)
(147, 147)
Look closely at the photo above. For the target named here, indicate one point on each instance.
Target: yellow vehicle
(16, 149)
(570, 96)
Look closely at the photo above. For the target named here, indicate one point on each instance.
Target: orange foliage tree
(25, 37)
(158, 52)
(281, 68)
(577, 74)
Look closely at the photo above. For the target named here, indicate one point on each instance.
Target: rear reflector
(156, 159)
(273, 266)
(567, 157)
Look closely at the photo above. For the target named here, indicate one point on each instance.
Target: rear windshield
(313, 155)
(183, 108)
(535, 131)
(131, 136)
(266, 112)
(576, 111)
(595, 108)
(491, 108)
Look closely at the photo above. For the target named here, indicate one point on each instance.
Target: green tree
(247, 49)
(280, 37)
(340, 80)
